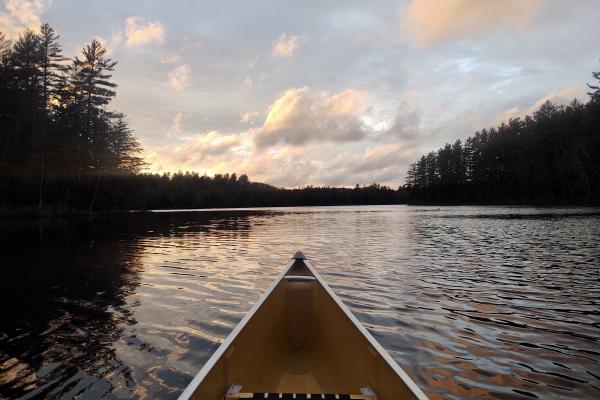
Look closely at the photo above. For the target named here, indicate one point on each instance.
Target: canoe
(299, 341)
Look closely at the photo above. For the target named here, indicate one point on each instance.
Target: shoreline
(31, 213)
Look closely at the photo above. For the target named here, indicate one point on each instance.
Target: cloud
(249, 117)
(111, 43)
(561, 97)
(139, 34)
(215, 152)
(406, 123)
(254, 61)
(116, 38)
(172, 58)
(302, 115)
(175, 125)
(21, 14)
(383, 163)
(286, 46)
(377, 158)
(431, 21)
(208, 152)
(288, 167)
(179, 78)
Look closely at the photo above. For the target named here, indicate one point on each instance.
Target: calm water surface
(481, 303)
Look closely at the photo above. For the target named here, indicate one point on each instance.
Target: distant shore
(34, 213)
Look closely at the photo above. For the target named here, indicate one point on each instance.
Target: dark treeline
(191, 190)
(550, 157)
(56, 133)
(63, 150)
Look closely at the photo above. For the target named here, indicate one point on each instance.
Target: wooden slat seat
(297, 396)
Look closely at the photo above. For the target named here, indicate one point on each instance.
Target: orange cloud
(286, 46)
(249, 117)
(434, 21)
(302, 115)
(21, 14)
(179, 78)
(285, 166)
(111, 43)
(211, 152)
(171, 58)
(139, 33)
(561, 97)
(175, 125)
(308, 136)
(248, 82)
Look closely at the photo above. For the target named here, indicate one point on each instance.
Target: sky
(334, 93)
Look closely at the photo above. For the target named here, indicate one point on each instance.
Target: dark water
(486, 303)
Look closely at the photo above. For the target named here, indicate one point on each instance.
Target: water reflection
(65, 288)
(71, 287)
(495, 303)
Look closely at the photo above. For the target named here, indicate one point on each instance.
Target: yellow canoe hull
(300, 338)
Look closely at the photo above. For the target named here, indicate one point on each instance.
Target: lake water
(473, 302)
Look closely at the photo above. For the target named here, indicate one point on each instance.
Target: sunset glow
(294, 95)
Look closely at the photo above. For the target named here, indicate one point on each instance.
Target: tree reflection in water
(67, 284)
(69, 290)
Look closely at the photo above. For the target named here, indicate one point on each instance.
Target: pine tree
(6, 99)
(27, 59)
(124, 147)
(93, 90)
(52, 80)
(91, 81)
(25, 64)
(52, 67)
(595, 94)
(5, 49)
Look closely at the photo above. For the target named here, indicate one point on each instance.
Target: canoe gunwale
(193, 385)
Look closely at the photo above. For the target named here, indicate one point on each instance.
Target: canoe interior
(300, 341)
